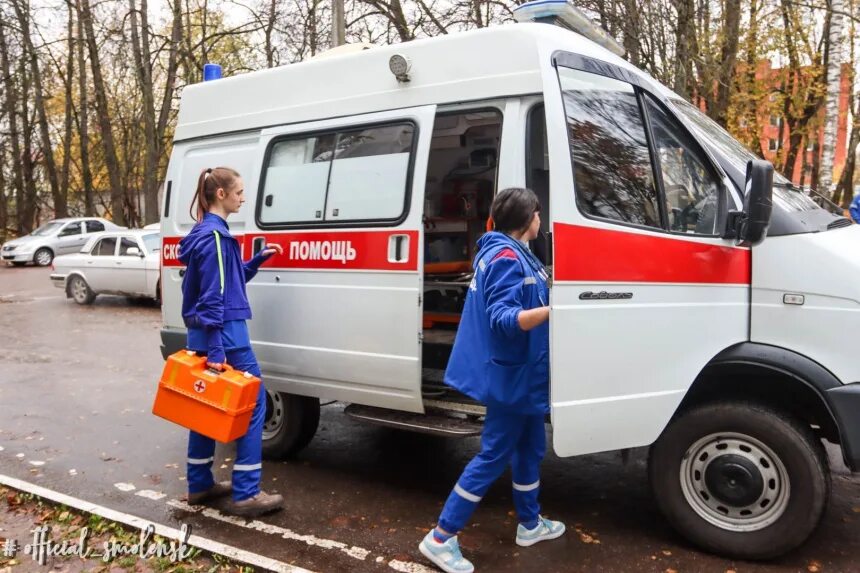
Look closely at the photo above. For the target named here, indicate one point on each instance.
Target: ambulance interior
(461, 181)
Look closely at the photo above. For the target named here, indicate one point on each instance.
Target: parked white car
(123, 263)
(54, 238)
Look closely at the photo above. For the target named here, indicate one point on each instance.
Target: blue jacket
(213, 288)
(493, 360)
(854, 209)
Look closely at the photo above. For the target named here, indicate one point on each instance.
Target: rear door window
(95, 226)
(105, 247)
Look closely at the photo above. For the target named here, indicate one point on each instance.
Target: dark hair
(513, 209)
(208, 183)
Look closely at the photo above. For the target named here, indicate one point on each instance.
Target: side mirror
(133, 251)
(749, 227)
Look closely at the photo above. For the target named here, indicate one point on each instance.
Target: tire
(43, 257)
(80, 291)
(740, 479)
(290, 424)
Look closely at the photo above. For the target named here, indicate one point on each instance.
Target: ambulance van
(685, 315)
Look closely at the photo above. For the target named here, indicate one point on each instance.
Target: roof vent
(564, 14)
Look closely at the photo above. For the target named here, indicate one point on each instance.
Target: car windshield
(47, 229)
(785, 194)
(152, 242)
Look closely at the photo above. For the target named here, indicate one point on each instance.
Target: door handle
(398, 248)
(258, 245)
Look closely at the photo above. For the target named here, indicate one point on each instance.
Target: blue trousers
(247, 468)
(508, 439)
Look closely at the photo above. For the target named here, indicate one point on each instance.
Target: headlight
(8, 248)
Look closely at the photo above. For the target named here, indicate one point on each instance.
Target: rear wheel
(43, 257)
(740, 479)
(290, 424)
(80, 291)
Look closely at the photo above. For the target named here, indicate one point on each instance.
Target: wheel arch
(778, 377)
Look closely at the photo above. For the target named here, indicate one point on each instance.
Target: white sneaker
(446, 556)
(546, 529)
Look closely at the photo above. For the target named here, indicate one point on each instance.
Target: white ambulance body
(732, 362)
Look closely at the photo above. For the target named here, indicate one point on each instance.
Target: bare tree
(833, 49)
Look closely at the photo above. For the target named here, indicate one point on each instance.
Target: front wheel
(290, 424)
(43, 257)
(740, 479)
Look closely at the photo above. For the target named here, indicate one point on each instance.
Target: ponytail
(208, 183)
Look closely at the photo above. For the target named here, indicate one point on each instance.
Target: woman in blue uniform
(501, 358)
(215, 308)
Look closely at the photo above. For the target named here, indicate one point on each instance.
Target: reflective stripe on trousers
(247, 468)
(507, 439)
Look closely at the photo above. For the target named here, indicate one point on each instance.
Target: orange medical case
(215, 404)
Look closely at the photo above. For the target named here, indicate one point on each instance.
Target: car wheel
(290, 424)
(43, 257)
(80, 291)
(740, 479)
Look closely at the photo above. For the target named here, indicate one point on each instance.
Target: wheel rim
(274, 415)
(79, 290)
(43, 257)
(735, 482)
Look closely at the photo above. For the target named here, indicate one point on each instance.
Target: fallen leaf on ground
(813, 567)
(666, 552)
(586, 538)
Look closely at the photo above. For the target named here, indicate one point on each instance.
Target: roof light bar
(564, 14)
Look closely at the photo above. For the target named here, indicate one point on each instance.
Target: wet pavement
(76, 389)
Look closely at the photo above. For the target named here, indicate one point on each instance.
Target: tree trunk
(833, 49)
(845, 189)
(728, 56)
(684, 33)
(631, 31)
(84, 119)
(28, 156)
(141, 54)
(69, 83)
(23, 13)
(10, 109)
(109, 147)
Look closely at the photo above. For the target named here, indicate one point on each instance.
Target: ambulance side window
(369, 173)
(692, 189)
(613, 175)
(356, 175)
(296, 180)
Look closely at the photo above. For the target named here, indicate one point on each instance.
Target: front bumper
(844, 401)
(16, 257)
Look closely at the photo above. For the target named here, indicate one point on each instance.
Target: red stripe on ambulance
(347, 250)
(170, 252)
(599, 255)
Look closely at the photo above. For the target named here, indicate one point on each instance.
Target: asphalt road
(76, 389)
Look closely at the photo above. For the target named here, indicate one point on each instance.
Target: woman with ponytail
(215, 310)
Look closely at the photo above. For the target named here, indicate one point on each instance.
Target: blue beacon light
(211, 72)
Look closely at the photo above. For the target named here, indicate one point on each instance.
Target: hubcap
(43, 257)
(79, 289)
(274, 415)
(735, 482)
